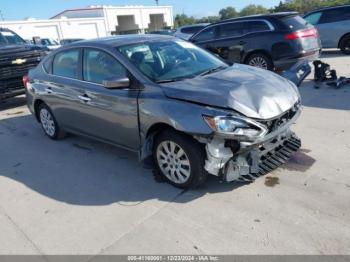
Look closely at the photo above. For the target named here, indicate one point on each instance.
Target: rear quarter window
(295, 23)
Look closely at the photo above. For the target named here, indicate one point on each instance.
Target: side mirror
(118, 83)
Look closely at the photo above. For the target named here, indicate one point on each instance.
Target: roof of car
(326, 8)
(276, 15)
(122, 39)
(194, 25)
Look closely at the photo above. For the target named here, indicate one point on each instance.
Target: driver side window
(99, 66)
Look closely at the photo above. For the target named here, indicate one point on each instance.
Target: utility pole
(157, 2)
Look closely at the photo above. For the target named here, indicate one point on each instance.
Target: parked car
(274, 41)
(185, 32)
(50, 43)
(333, 25)
(16, 58)
(70, 40)
(163, 96)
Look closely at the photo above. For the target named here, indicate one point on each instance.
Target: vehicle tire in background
(260, 60)
(345, 45)
(180, 159)
(49, 123)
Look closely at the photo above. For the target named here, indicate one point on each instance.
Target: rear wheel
(180, 159)
(345, 45)
(49, 123)
(260, 60)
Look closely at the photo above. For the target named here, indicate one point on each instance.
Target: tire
(168, 158)
(345, 45)
(49, 123)
(260, 60)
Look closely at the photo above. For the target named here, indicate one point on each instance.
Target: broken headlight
(237, 126)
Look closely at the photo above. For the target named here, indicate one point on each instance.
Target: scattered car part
(298, 72)
(323, 72)
(194, 113)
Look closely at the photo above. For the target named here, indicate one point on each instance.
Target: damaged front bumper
(235, 160)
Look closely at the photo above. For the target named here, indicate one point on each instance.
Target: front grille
(12, 71)
(11, 84)
(272, 160)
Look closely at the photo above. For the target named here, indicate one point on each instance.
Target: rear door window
(256, 26)
(99, 66)
(335, 15)
(66, 64)
(295, 22)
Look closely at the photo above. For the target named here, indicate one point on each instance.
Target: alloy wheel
(47, 122)
(173, 162)
(258, 62)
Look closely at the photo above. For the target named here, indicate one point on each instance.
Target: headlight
(236, 126)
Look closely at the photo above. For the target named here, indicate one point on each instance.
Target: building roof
(100, 7)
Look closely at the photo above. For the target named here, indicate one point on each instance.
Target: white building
(95, 21)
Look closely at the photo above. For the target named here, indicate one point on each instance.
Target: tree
(181, 20)
(228, 12)
(208, 19)
(253, 10)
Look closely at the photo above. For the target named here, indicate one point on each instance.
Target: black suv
(16, 58)
(273, 41)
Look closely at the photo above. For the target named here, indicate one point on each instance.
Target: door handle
(242, 42)
(84, 98)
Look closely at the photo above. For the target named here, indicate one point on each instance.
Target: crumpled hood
(253, 92)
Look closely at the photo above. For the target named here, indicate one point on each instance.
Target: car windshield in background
(167, 61)
(7, 37)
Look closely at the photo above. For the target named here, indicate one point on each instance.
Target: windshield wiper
(212, 70)
(172, 80)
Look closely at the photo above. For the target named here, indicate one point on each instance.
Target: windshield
(49, 42)
(8, 37)
(170, 60)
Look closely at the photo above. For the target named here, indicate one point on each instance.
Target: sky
(43, 9)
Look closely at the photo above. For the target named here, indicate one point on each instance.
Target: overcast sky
(42, 9)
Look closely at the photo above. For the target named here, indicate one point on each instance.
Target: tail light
(312, 32)
(25, 80)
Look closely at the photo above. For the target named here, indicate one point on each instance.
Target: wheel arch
(37, 104)
(342, 38)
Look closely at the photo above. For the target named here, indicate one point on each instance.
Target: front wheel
(260, 60)
(180, 159)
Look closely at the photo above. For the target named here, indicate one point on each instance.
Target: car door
(61, 87)
(107, 114)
